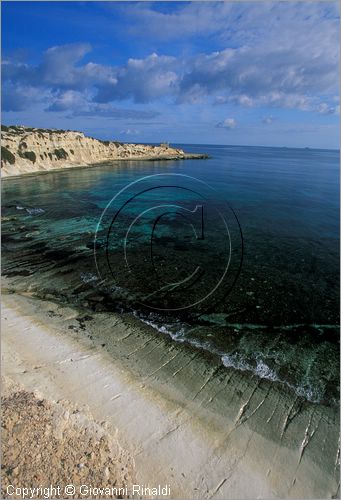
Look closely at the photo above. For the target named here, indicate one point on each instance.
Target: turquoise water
(274, 313)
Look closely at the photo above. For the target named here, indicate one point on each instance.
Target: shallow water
(264, 239)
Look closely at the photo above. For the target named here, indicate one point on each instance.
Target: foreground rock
(26, 150)
(48, 443)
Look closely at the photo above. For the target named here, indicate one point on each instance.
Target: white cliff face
(25, 150)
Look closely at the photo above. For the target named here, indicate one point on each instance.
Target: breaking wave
(257, 366)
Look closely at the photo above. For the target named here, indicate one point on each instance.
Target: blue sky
(249, 73)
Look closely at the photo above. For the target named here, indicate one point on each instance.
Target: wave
(235, 360)
(31, 210)
(88, 277)
(262, 370)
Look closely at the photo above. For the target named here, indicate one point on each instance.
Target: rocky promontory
(26, 150)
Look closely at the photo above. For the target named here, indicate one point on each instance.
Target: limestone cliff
(26, 150)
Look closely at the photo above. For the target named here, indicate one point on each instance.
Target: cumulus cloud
(58, 68)
(67, 101)
(249, 77)
(283, 55)
(142, 80)
(14, 98)
(79, 104)
(228, 123)
(129, 131)
(17, 97)
(74, 86)
(327, 109)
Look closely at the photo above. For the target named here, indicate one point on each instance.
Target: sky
(234, 73)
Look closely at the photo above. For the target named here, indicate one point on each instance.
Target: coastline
(29, 150)
(211, 432)
(186, 156)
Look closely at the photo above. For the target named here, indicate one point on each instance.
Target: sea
(236, 254)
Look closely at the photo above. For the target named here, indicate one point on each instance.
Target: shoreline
(186, 156)
(211, 432)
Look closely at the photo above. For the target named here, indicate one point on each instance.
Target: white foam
(35, 211)
(264, 371)
(31, 211)
(88, 277)
(235, 360)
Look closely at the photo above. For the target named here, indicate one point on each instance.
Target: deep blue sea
(237, 254)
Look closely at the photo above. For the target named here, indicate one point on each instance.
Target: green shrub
(4, 128)
(61, 154)
(15, 128)
(29, 155)
(7, 156)
(72, 151)
(50, 155)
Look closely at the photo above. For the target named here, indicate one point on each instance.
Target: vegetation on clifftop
(106, 143)
(23, 129)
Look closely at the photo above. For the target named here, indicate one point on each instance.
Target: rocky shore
(26, 150)
(211, 432)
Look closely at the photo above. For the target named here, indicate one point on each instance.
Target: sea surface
(237, 254)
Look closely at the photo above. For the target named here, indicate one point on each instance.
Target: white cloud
(282, 55)
(78, 104)
(142, 80)
(327, 109)
(228, 123)
(67, 101)
(189, 19)
(129, 131)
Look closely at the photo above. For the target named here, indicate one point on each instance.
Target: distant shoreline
(27, 150)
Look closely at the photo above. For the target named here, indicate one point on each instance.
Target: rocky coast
(26, 150)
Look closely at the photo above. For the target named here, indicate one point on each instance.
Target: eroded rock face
(25, 150)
